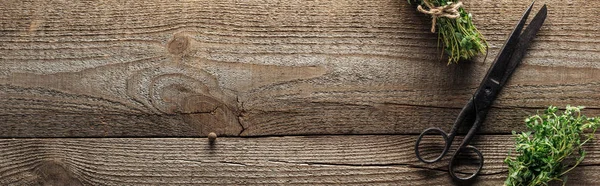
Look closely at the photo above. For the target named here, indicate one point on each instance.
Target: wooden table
(299, 92)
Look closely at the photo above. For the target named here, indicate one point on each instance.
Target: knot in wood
(178, 45)
(449, 11)
(53, 172)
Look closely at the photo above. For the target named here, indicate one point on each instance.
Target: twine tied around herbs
(449, 11)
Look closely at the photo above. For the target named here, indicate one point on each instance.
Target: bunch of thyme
(460, 37)
(555, 137)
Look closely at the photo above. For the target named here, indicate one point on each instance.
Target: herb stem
(556, 138)
(460, 38)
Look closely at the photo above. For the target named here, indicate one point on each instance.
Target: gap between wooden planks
(256, 68)
(312, 160)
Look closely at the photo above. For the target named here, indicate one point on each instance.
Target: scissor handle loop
(446, 144)
(453, 159)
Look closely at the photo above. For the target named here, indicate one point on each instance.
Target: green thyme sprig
(460, 38)
(554, 138)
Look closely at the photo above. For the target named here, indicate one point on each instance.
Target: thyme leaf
(554, 137)
(460, 38)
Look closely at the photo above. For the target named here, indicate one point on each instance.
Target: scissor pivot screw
(488, 90)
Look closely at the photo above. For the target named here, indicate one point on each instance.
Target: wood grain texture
(314, 160)
(276, 67)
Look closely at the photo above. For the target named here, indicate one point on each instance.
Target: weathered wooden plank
(278, 67)
(356, 160)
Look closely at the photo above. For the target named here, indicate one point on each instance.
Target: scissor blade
(524, 42)
(496, 71)
(500, 71)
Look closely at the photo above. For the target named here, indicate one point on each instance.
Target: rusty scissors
(478, 106)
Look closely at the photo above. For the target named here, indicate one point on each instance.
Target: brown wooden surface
(260, 69)
(359, 159)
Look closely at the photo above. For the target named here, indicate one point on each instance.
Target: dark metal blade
(492, 83)
(524, 42)
(496, 71)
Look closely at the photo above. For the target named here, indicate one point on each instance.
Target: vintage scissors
(478, 106)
